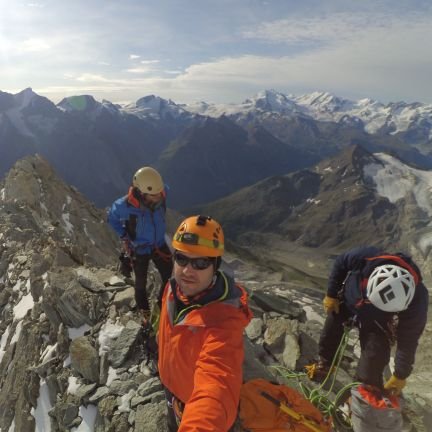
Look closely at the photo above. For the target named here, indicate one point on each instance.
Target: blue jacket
(150, 226)
(351, 270)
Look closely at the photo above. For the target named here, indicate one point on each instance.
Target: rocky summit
(73, 353)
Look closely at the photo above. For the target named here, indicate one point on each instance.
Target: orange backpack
(267, 407)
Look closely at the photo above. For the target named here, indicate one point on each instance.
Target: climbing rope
(318, 397)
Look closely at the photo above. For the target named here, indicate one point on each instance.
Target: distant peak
(25, 97)
(78, 103)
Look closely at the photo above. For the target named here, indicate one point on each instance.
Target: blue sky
(217, 50)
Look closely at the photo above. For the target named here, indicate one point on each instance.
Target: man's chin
(188, 289)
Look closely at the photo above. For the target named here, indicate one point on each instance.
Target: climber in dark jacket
(139, 220)
(388, 301)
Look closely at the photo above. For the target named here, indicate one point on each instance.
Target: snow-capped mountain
(97, 146)
(266, 102)
(374, 117)
(89, 105)
(351, 199)
(27, 112)
(156, 107)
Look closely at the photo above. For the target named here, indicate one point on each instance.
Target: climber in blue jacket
(139, 220)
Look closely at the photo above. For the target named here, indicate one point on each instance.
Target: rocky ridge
(72, 352)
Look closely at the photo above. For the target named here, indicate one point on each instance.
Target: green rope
(319, 399)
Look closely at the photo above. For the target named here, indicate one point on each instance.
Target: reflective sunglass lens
(181, 260)
(200, 263)
(196, 263)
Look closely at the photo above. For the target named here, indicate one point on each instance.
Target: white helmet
(148, 181)
(390, 288)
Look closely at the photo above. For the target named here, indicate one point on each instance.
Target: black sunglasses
(196, 263)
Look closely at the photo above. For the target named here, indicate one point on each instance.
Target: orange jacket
(201, 357)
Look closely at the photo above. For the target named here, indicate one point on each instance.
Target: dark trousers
(163, 263)
(374, 345)
(171, 417)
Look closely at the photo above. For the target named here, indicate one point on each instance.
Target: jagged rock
(255, 362)
(53, 388)
(104, 368)
(68, 275)
(152, 385)
(107, 406)
(121, 388)
(270, 303)
(291, 352)
(84, 358)
(115, 281)
(119, 423)
(4, 296)
(44, 367)
(84, 390)
(124, 343)
(124, 299)
(15, 376)
(254, 329)
(150, 417)
(99, 394)
(89, 280)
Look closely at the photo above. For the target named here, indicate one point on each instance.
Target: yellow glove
(331, 304)
(395, 385)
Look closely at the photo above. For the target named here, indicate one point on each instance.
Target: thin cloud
(88, 77)
(34, 45)
(332, 28)
(134, 56)
(149, 61)
(141, 70)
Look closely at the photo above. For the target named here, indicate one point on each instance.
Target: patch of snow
(73, 385)
(43, 207)
(2, 194)
(3, 340)
(88, 415)
(88, 235)
(107, 333)
(69, 227)
(12, 426)
(67, 362)
(395, 180)
(43, 406)
(312, 315)
(112, 375)
(17, 286)
(23, 306)
(48, 352)
(17, 333)
(124, 405)
(75, 332)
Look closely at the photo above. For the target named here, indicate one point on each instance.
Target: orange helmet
(200, 235)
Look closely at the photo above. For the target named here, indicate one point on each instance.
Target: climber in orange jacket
(203, 315)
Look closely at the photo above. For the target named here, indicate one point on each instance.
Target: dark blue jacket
(351, 270)
(149, 224)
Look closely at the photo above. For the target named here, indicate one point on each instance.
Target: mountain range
(204, 151)
(350, 199)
